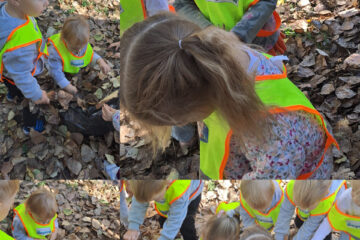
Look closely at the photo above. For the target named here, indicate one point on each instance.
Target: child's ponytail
(174, 73)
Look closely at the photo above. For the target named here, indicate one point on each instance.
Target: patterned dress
(295, 146)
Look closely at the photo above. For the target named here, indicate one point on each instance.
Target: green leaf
(67, 212)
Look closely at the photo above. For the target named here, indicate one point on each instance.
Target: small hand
(116, 45)
(107, 112)
(44, 99)
(279, 47)
(71, 89)
(105, 68)
(131, 235)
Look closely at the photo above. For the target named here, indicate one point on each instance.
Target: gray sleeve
(282, 225)
(246, 219)
(116, 120)
(56, 68)
(155, 6)
(189, 10)
(18, 65)
(57, 224)
(18, 231)
(343, 236)
(254, 19)
(136, 214)
(308, 228)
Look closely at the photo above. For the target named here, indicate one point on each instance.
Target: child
(312, 200)
(222, 226)
(133, 11)
(175, 201)
(260, 202)
(344, 215)
(70, 50)
(252, 21)
(8, 190)
(255, 122)
(21, 55)
(255, 232)
(36, 218)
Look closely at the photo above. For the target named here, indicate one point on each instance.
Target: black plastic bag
(89, 122)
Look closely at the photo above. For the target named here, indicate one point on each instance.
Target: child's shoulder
(8, 24)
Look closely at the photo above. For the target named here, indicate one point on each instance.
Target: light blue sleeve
(176, 216)
(18, 65)
(96, 57)
(246, 219)
(55, 68)
(282, 225)
(124, 212)
(19, 232)
(343, 236)
(56, 224)
(155, 6)
(116, 120)
(136, 214)
(309, 227)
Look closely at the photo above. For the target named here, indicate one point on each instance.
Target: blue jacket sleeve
(17, 68)
(19, 232)
(254, 19)
(55, 68)
(136, 214)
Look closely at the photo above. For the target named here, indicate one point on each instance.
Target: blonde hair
(8, 188)
(308, 192)
(144, 190)
(255, 232)
(221, 227)
(42, 203)
(76, 30)
(166, 83)
(257, 193)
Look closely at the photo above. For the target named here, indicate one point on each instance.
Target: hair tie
(180, 44)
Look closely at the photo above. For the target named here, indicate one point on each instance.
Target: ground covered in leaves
(214, 192)
(63, 151)
(86, 209)
(323, 47)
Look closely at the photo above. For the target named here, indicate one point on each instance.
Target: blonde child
(21, 56)
(254, 122)
(70, 50)
(344, 215)
(175, 201)
(255, 232)
(260, 202)
(312, 200)
(8, 190)
(36, 218)
(222, 226)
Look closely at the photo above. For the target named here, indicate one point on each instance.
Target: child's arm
(136, 214)
(18, 65)
(176, 216)
(282, 225)
(155, 6)
(308, 228)
(56, 72)
(18, 231)
(104, 67)
(246, 220)
(123, 209)
(254, 19)
(189, 10)
(323, 230)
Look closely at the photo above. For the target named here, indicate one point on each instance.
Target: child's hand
(71, 89)
(107, 112)
(105, 68)
(53, 235)
(131, 235)
(116, 45)
(44, 99)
